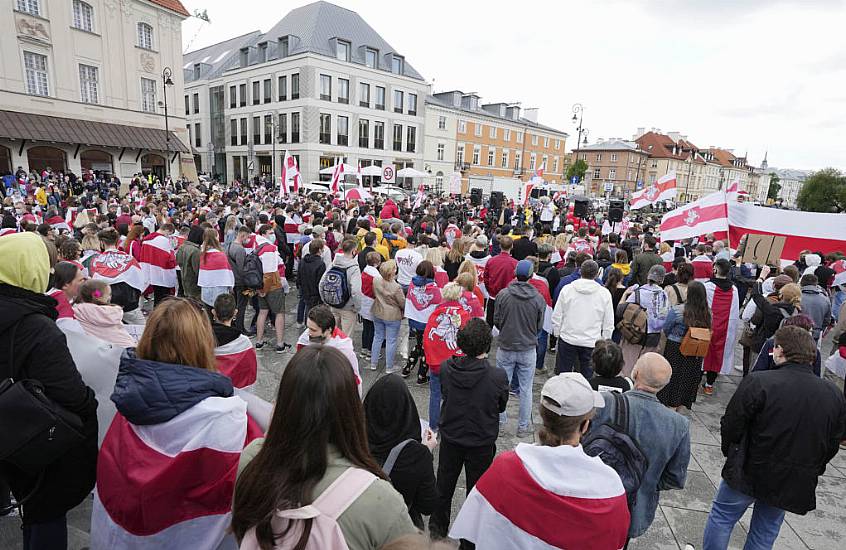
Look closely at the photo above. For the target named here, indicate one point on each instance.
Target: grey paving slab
(658, 537)
(819, 530)
(787, 537)
(688, 525)
(697, 494)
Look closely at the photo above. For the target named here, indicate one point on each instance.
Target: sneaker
(528, 432)
(283, 348)
(689, 547)
(708, 390)
(300, 325)
(501, 430)
(371, 367)
(515, 393)
(260, 345)
(422, 380)
(405, 372)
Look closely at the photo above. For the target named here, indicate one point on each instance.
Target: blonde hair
(561, 241)
(451, 292)
(388, 270)
(178, 331)
(792, 294)
(210, 240)
(90, 242)
(469, 267)
(466, 280)
(436, 256)
(664, 248)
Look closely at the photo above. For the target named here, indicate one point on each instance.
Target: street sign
(609, 186)
(250, 166)
(574, 180)
(389, 174)
(639, 184)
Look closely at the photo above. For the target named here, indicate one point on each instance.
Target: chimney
(531, 114)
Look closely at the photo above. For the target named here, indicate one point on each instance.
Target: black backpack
(612, 443)
(253, 270)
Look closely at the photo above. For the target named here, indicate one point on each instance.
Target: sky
(754, 76)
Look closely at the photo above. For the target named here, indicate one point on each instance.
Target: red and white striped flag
(238, 361)
(358, 174)
(169, 485)
(527, 190)
(215, 270)
(421, 194)
(290, 174)
(116, 266)
(539, 172)
(706, 215)
(337, 176)
(158, 260)
(664, 189)
(58, 223)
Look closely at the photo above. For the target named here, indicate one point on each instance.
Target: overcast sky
(748, 75)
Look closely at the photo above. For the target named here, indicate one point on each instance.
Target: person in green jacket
(188, 260)
(643, 262)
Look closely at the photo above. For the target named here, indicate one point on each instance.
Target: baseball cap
(524, 269)
(570, 394)
(656, 274)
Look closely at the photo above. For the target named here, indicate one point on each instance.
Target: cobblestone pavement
(681, 516)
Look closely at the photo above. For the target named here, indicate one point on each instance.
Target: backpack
(334, 287)
(388, 466)
(785, 316)
(613, 445)
(678, 294)
(323, 513)
(253, 270)
(633, 321)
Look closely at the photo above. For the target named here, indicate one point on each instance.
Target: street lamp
(578, 115)
(689, 170)
(167, 72)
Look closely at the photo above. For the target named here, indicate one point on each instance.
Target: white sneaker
(689, 547)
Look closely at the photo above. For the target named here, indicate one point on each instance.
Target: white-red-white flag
(238, 361)
(358, 174)
(664, 189)
(418, 202)
(215, 270)
(706, 215)
(527, 190)
(539, 172)
(337, 176)
(290, 174)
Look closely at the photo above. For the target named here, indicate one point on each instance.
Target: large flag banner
(215, 270)
(115, 266)
(664, 189)
(238, 361)
(158, 260)
(337, 176)
(706, 215)
(290, 174)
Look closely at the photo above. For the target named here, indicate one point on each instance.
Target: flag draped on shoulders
(238, 361)
(158, 260)
(440, 339)
(367, 276)
(215, 270)
(115, 266)
(725, 320)
(421, 300)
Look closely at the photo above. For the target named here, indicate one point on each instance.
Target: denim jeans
(728, 507)
(519, 364)
(47, 535)
(573, 358)
(434, 400)
(384, 331)
(543, 337)
(302, 310)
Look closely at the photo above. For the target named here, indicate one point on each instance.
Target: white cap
(570, 394)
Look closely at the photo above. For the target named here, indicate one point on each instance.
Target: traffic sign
(609, 186)
(574, 180)
(388, 174)
(639, 184)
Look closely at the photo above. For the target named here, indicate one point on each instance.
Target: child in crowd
(98, 316)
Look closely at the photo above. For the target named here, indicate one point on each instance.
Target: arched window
(439, 180)
(145, 36)
(97, 161)
(5, 160)
(83, 16)
(44, 157)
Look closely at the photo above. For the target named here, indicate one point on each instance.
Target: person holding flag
(664, 189)
(123, 273)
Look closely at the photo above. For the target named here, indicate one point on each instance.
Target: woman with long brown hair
(178, 434)
(316, 436)
(215, 276)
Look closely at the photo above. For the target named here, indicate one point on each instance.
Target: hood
(419, 281)
(812, 260)
(26, 263)
(814, 289)
(16, 302)
(312, 258)
(150, 392)
(466, 372)
(391, 415)
(479, 254)
(224, 334)
(523, 290)
(99, 315)
(722, 284)
(586, 286)
(343, 261)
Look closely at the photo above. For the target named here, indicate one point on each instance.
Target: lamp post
(167, 72)
(578, 116)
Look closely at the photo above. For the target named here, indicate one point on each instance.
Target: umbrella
(359, 194)
(371, 171)
(348, 169)
(411, 173)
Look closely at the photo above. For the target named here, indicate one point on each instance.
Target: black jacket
(473, 393)
(413, 476)
(779, 431)
(548, 271)
(523, 248)
(308, 278)
(41, 353)
(771, 317)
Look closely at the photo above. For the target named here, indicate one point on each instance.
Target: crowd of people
(134, 316)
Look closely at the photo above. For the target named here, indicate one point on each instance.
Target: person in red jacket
(499, 272)
(389, 210)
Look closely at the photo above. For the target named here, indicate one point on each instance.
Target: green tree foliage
(824, 191)
(775, 187)
(578, 168)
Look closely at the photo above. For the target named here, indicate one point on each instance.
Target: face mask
(271, 238)
(316, 339)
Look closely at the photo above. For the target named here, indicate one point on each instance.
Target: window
(198, 136)
(343, 130)
(441, 151)
(243, 131)
(371, 57)
(441, 123)
(598, 157)
(655, 163)
(364, 94)
(506, 134)
(325, 129)
(233, 97)
(503, 162)
(558, 144)
(256, 130)
(148, 95)
(612, 174)
(342, 50)
(295, 86)
(242, 89)
(532, 161)
(478, 129)
(583, 156)
(262, 52)
(282, 130)
(380, 98)
(546, 142)
(256, 92)
(36, 73)
(477, 152)
(439, 179)
(29, 6)
(88, 84)
(282, 47)
(410, 139)
(343, 90)
(492, 133)
(196, 103)
(145, 36)
(379, 135)
(83, 16)
(555, 165)
(462, 126)
(397, 137)
(283, 88)
(491, 153)
(534, 140)
(544, 161)
(398, 101)
(326, 87)
(520, 136)
(233, 131)
(596, 173)
(397, 64)
(363, 133)
(295, 127)
(268, 90)
(412, 104)
(518, 161)
(268, 128)
(613, 157)
(459, 155)
(243, 57)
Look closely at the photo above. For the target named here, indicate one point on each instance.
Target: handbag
(35, 430)
(695, 342)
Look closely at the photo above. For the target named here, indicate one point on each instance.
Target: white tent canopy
(371, 171)
(348, 169)
(411, 173)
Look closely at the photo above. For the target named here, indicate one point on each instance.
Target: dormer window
(282, 47)
(371, 58)
(262, 52)
(397, 64)
(196, 71)
(244, 57)
(342, 50)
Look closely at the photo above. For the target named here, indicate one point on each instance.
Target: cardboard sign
(763, 249)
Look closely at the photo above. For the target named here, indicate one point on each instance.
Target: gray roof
(612, 145)
(215, 58)
(432, 100)
(310, 28)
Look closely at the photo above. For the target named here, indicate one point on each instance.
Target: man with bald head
(662, 434)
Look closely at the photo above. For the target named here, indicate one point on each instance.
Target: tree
(775, 187)
(578, 168)
(824, 191)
